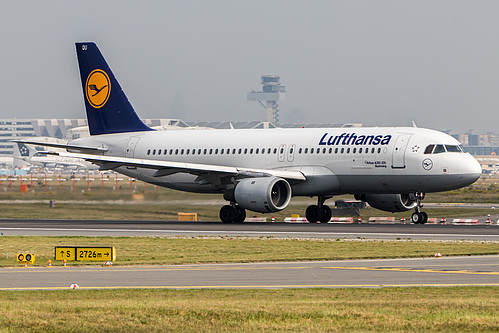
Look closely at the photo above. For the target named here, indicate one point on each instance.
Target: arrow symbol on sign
(106, 254)
(62, 253)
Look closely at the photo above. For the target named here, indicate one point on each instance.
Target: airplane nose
(470, 169)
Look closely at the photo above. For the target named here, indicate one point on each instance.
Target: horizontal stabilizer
(71, 148)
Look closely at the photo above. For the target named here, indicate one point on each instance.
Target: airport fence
(43, 182)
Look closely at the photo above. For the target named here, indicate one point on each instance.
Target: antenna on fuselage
(414, 124)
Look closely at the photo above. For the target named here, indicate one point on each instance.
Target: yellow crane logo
(97, 88)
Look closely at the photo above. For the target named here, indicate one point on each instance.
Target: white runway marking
(252, 232)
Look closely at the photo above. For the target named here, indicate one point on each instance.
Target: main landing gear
(320, 212)
(419, 217)
(232, 214)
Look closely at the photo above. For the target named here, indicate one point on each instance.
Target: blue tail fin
(108, 109)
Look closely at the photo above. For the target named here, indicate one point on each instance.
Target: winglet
(108, 109)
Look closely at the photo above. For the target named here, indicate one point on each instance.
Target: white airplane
(391, 168)
(41, 159)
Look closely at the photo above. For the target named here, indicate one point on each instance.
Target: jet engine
(262, 194)
(389, 202)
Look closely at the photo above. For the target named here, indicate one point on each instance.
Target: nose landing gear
(419, 217)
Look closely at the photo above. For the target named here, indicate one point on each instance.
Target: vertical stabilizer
(108, 108)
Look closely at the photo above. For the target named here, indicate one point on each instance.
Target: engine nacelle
(262, 194)
(390, 202)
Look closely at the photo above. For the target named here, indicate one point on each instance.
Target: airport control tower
(271, 94)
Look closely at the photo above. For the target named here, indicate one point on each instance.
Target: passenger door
(398, 155)
(131, 145)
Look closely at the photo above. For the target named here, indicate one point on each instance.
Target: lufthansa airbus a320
(391, 168)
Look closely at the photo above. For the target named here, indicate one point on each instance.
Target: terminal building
(67, 129)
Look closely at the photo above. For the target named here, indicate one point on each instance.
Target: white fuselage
(333, 160)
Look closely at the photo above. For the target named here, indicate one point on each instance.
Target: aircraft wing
(166, 168)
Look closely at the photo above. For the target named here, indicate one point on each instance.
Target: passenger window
(379, 150)
(324, 150)
(299, 151)
(306, 150)
(234, 151)
(154, 151)
(360, 150)
(245, 151)
(354, 150)
(439, 149)
(159, 151)
(342, 150)
(263, 150)
(251, 151)
(291, 151)
(240, 150)
(182, 152)
(211, 151)
(330, 150)
(176, 151)
(311, 150)
(275, 151)
(429, 149)
(165, 152)
(336, 150)
(216, 151)
(199, 151)
(148, 151)
(372, 151)
(348, 150)
(194, 152)
(269, 150)
(205, 151)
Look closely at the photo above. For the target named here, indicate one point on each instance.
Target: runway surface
(173, 228)
(445, 271)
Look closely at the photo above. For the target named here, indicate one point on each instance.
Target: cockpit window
(439, 149)
(436, 149)
(453, 149)
(429, 149)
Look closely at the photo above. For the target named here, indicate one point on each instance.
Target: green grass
(148, 202)
(459, 309)
(173, 250)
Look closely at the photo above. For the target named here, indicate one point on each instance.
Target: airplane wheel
(416, 218)
(424, 217)
(240, 214)
(313, 213)
(227, 214)
(326, 214)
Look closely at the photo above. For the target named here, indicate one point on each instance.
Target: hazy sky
(370, 62)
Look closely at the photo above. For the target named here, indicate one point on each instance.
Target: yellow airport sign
(95, 254)
(65, 253)
(85, 253)
(25, 258)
